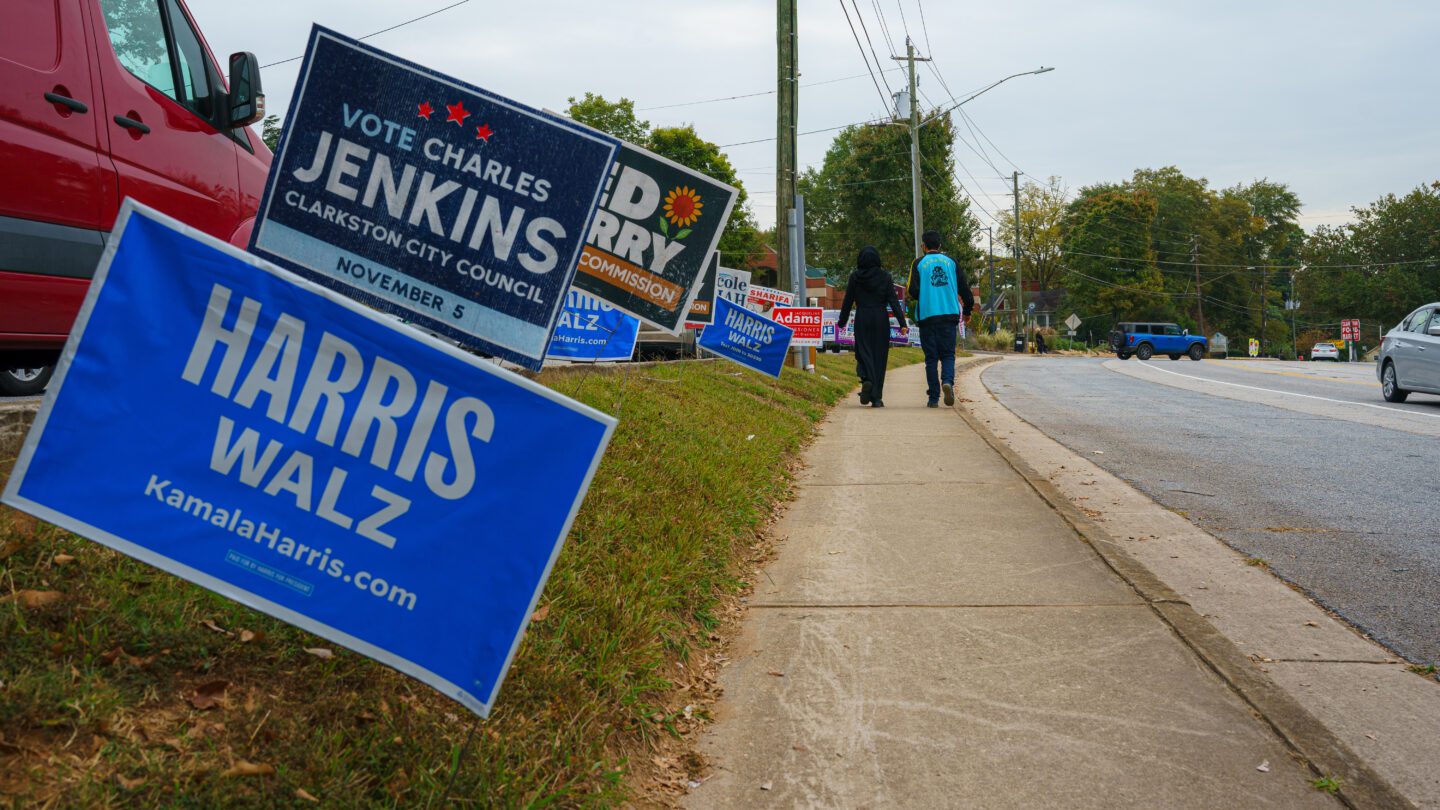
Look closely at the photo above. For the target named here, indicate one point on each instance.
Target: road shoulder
(1343, 701)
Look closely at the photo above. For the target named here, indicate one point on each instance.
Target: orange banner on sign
(631, 278)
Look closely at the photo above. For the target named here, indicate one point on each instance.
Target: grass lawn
(122, 685)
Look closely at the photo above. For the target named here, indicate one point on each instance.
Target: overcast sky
(1336, 99)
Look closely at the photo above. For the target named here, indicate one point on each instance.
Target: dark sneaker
(865, 393)
(949, 391)
(932, 404)
(877, 404)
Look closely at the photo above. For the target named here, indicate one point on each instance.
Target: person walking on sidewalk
(942, 296)
(871, 293)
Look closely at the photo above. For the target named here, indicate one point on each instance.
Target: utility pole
(1295, 304)
(990, 256)
(1264, 303)
(786, 116)
(910, 59)
(1199, 296)
(1019, 277)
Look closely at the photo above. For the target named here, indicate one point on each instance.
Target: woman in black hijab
(871, 292)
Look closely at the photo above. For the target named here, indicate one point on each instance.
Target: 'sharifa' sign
(652, 239)
(278, 443)
(435, 200)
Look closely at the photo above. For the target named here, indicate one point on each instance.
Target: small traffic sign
(1073, 322)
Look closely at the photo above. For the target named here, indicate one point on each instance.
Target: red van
(102, 100)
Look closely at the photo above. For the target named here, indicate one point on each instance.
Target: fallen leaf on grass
(302, 793)
(751, 437)
(119, 654)
(539, 615)
(210, 623)
(320, 652)
(247, 636)
(246, 768)
(62, 559)
(208, 695)
(129, 784)
(34, 599)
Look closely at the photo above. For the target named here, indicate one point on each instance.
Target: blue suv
(1145, 340)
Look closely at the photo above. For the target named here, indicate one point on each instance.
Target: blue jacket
(940, 289)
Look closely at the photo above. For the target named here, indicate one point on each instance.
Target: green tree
(1393, 249)
(270, 130)
(740, 243)
(1042, 232)
(617, 117)
(1112, 272)
(861, 195)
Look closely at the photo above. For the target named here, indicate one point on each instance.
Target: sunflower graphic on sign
(682, 209)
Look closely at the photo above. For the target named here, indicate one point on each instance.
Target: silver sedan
(1409, 358)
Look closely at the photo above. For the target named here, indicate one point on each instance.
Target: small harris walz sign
(437, 201)
(652, 240)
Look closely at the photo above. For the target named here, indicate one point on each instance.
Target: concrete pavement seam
(1325, 753)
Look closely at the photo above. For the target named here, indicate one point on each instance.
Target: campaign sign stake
(278, 443)
(432, 199)
(658, 225)
(747, 338)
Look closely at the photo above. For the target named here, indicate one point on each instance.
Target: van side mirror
(247, 99)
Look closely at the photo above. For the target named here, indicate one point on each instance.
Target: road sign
(438, 201)
(1254, 347)
(278, 443)
(1073, 322)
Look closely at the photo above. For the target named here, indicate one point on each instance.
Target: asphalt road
(1302, 465)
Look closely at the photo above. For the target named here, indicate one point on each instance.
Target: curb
(1325, 753)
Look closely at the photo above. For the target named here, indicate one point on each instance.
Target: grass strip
(120, 684)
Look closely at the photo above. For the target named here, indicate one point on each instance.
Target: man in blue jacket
(943, 297)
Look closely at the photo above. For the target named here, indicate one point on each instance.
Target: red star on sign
(483, 132)
(425, 110)
(457, 113)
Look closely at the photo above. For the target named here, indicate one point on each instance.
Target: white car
(1325, 351)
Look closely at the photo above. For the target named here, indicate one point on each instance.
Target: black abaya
(871, 293)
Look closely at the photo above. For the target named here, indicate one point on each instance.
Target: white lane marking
(1292, 393)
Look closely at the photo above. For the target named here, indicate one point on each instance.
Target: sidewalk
(933, 634)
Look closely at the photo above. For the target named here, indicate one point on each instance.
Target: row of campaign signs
(260, 423)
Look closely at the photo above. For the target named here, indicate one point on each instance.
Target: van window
(194, 77)
(137, 34)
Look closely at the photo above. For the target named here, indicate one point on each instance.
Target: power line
(883, 98)
(381, 31)
(766, 92)
(871, 43)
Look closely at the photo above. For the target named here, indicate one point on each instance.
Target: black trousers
(872, 347)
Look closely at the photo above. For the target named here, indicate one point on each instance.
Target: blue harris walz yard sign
(746, 337)
(273, 441)
(432, 199)
(592, 331)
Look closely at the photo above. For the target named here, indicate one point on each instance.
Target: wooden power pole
(786, 117)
